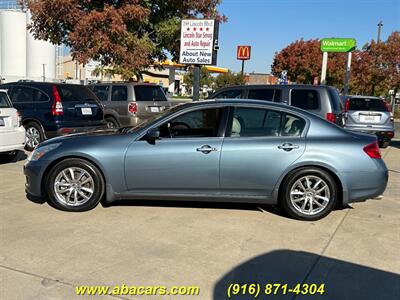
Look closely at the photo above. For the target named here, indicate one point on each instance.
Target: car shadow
(395, 144)
(7, 158)
(343, 280)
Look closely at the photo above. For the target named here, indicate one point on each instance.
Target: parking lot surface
(46, 253)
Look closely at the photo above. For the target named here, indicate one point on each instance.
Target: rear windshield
(4, 101)
(367, 104)
(79, 93)
(149, 93)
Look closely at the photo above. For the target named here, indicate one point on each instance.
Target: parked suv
(322, 100)
(129, 104)
(371, 115)
(52, 109)
(12, 134)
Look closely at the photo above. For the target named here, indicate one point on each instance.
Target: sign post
(243, 53)
(337, 45)
(199, 45)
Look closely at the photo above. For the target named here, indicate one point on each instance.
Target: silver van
(371, 115)
(129, 103)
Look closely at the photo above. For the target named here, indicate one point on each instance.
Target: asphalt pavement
(45, 253)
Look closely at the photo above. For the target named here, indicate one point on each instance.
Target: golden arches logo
(243, 52)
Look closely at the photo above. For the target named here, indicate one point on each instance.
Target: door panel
(252, 166)
(173, 166)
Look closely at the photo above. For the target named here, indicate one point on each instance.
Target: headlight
(39, 152)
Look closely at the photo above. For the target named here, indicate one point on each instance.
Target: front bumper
(34, 173)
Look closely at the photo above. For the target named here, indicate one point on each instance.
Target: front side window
(119, 93)
(195, 124)
(305, 99)
(262, 94)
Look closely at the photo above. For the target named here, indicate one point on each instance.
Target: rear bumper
(12, 140)
(383, 134)
(366, 185)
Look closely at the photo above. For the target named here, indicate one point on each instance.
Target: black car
(321, 100)
(52, 109)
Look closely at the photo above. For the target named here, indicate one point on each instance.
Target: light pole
(44, 72)
(380, 24)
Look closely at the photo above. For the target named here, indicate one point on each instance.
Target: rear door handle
(206, 149)
(288, 146)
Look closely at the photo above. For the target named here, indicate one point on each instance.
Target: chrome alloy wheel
(310, 195)
(32, 137)
(73, 186)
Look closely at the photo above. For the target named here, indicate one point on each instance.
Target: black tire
(37, 128)
(291, 180)
(111, 122)
(92, 170)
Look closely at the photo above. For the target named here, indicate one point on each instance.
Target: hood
(91, 134)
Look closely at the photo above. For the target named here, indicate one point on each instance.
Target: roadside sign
(199, 42)
(338, 45)
(243, 52)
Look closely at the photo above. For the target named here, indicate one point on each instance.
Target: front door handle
(288, 146)
(206, 149)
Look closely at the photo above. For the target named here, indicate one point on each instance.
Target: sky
(270, 25)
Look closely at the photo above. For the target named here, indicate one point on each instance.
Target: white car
(12, 133)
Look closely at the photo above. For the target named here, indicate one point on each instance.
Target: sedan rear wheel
(309, 194)
(75, 185)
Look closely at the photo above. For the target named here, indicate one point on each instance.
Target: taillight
(56, 108)
(372, 150)
(347, 105)
(19, 119)
(132, 108)
(390, 134)
(331, 117)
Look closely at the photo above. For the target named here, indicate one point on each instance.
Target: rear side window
(119, 93)
(78, 93)
(229, 94)
(336, 101)
(367, 104)
(254, 122)
(21, 94)
(149, 93)
(4, 103)
(262, 94)
(278, 96)
(101, 91)
(293, 126)
(305, 99)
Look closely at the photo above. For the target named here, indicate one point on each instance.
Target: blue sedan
(226, 150)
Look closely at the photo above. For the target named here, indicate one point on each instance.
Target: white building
(21, 56)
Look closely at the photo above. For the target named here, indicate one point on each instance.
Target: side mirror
(153, 135)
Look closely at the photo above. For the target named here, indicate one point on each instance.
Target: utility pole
(196, 83)
(380, 24)
(44, 72)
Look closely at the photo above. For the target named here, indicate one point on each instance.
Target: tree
(205, 78)
(127, 35)
(229, 79)
(303, 61)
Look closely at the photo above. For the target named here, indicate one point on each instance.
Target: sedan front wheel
(309, 194)
(75, 185)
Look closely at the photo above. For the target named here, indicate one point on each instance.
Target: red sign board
(243, 52)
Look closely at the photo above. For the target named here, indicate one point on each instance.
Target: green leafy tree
(229, 79)
(123, 35)
(205, 78)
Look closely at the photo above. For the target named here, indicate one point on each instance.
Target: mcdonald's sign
(243, 52)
